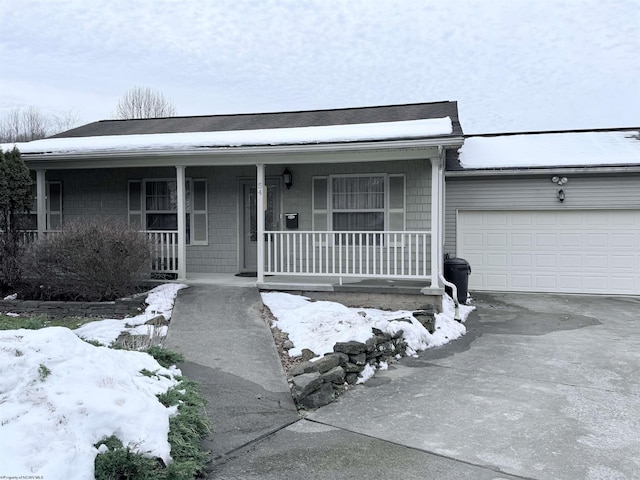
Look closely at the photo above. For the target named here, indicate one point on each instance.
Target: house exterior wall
(536, 192)
(104, 193)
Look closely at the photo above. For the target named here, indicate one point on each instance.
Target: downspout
(454, 293)
(442, 185)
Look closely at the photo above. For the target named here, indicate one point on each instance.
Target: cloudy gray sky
(512, 65)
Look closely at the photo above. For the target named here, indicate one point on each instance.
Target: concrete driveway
(541, 387)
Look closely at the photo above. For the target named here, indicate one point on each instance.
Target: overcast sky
(512, 65)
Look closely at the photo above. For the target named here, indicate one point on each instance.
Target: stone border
(119, 308)
(317, 383)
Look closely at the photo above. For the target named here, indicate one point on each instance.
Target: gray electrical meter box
(291, 220)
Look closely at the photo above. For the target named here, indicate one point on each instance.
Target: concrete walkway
(230, 352)
(541, 387)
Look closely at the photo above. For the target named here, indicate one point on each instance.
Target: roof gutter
(542, 171)
(306, 153)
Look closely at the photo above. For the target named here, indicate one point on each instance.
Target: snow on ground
(62, 395)
(159, 302)
(318, 326)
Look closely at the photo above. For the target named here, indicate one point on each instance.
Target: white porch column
(182, 222)
(436, 207)
(260, 206)
(41, 202)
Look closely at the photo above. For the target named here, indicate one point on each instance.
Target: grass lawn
(11, 322)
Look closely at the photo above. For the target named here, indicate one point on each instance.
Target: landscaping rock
(351, 378)
(335, 375)
(322, 365)
(360, 359)
(321, 397)
(307, 354)
(342, 357)
(287, 345)
(306, 383)
(428, 320)
(350, 348)
(353, 368)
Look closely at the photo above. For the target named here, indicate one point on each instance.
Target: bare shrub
(91, 260)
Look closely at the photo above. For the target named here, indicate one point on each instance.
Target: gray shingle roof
(259, 121)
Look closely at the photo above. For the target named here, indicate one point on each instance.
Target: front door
(249, 226)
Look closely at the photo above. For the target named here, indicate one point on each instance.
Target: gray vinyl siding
(104, 193)
(536, 193)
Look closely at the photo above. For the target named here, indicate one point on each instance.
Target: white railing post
(261, 206)
(435, 220)
(182, 222)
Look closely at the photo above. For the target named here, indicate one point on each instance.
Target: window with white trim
(53, 208)
(153, 205)
(362, 203)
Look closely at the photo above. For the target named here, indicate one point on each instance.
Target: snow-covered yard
(60, 395)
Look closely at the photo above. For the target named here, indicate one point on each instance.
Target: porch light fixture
(287, 178)
(561, 195)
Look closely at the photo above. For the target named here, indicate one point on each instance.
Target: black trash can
(457, 271)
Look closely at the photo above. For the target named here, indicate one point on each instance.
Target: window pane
(320, 193)
(161, 195)
(162, 221)
(396, 192)
(362, 221)
(134, 196)
(199, 195)
(358, 193)
(55, 197)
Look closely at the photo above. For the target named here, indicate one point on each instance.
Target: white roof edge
(445, 141)
(332, 134)
(490, 172)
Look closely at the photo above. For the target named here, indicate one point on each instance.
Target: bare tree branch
(27, 124)
(144, 102)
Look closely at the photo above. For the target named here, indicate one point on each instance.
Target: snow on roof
(276, 136)
(551, 150)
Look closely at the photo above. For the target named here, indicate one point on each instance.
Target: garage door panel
(570, 240)
(521, 240)
(545, 261)
(572, 251)
(545, 240)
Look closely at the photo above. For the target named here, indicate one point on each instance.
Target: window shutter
(396, 202)
(320, 204)
(135, 204)
(199, 213)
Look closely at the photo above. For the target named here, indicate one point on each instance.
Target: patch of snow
(551, 150)
(159, 301)
(275, 136)
(318, 326)
(368, 372)
(64, 395)
(13, 296)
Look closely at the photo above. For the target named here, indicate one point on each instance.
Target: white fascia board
(543, 171)
(229, 156)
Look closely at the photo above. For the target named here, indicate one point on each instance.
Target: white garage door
(568, 251)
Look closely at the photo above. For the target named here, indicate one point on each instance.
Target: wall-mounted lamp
(287, 178)
(559, 180)
(561, 195)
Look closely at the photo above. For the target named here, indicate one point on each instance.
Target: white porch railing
(401, 254)
(164, 250)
